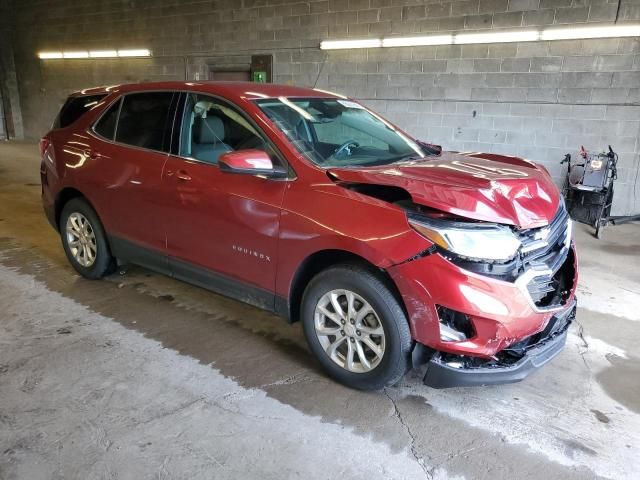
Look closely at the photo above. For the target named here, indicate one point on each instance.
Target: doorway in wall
(259, 68)
(229, 75)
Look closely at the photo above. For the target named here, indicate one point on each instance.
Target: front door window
(211, 128)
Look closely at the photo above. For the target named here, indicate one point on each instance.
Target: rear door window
(74, 108)
(144, 120)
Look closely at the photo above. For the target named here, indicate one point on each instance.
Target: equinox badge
(254, 253)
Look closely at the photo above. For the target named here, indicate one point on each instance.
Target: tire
(364, 288)
(94, 266)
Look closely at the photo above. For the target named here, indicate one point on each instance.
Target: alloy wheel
(349, 330)
(81, 239)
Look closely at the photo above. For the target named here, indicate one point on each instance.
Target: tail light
(44, 145)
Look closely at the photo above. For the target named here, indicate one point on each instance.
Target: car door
(222, 228)
(132, 146)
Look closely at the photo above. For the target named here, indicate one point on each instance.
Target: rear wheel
(84, 240)
(356, 328)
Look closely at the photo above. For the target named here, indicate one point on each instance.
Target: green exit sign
(259, 76)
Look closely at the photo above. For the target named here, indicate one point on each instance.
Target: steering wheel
(344, 150)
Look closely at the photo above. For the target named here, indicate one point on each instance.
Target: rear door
(222, 228)
(131, 145)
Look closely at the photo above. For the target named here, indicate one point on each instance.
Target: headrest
(208, 130)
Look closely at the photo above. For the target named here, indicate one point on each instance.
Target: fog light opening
(454, 326)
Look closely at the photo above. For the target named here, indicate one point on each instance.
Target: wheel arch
(104, 263)
(64, 196)
(322, 260)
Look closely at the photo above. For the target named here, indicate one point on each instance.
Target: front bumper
(445, 371)
(501, 311)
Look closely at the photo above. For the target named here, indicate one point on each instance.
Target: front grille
(544, 266)
(543, 245)
(545, 251)
(553, 289)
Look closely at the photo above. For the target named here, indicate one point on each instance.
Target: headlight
(474, 241)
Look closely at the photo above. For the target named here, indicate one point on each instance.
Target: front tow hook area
(447, 371)
(444, 375)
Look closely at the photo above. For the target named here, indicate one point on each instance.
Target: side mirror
(250, 162)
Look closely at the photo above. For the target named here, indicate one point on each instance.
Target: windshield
(333, 132)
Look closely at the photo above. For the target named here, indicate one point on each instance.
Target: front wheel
(356, 328)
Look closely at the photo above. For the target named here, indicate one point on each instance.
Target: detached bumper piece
(511, 365)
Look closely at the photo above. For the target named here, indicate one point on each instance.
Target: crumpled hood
(480, 186)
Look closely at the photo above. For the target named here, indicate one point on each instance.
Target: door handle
(93, 155)
(183, 175)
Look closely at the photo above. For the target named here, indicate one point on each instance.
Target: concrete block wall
(538, 100)
(4, 44)
(10, 109)
(3, 128)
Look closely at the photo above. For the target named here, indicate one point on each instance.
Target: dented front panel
(501, 311)
(484, 187)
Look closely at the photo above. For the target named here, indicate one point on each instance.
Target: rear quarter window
(74, 108)
(106, 126)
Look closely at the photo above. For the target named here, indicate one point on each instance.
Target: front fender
(334, 218)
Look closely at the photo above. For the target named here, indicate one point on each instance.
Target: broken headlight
(472, 241)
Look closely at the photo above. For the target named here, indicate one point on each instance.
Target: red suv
(390, 251)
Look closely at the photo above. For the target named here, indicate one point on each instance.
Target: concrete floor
(141, 376)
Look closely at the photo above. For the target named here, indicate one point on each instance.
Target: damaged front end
(490, 297)
(540, 261)
(510, 365)
(484, 315)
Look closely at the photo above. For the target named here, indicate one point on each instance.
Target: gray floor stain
(622, 381)
(601, 416)
(574, 445)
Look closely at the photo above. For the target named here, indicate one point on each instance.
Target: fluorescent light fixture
(75, 54)
(497, 37)
(141, 52)
(344, 44)
(49, 55)
(463, 38)
(417, 41)
(590, 32)
(103, 54)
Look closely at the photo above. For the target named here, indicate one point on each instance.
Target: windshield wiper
(406, 158)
